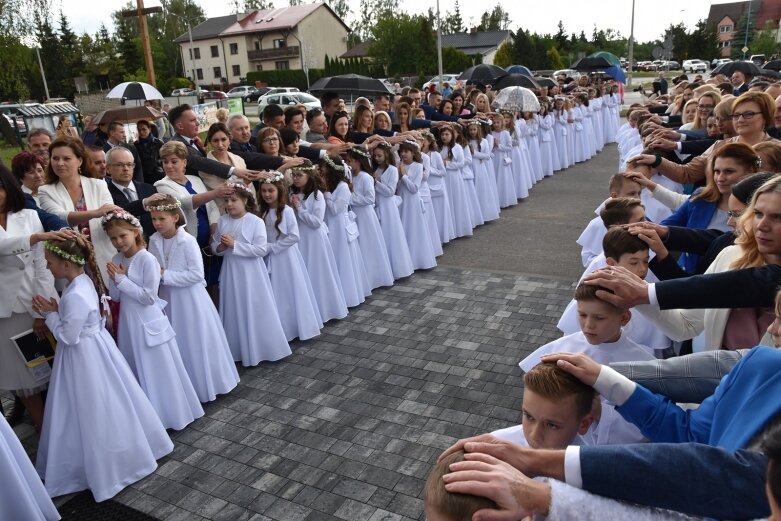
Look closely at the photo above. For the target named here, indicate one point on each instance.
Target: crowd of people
(661, 400)
(266, 236)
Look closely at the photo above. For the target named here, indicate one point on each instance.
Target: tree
(372, 11)
(764, 41)
(453, 21)
(340, 7)
(554, 59)
(247, 6)
(495, 20)
(455, 60)
(389, 44)
(704, 41)
(561, 36)
(127, 40)
(504, 55)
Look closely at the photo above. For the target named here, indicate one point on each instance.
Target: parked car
(241, 91)
(758, 59)
(718, 61)
(567, 73)
(213, 94)
(286, 99)
(694, 66)
(280, 90)
(254, 95)
(449, 78)
(182, 92)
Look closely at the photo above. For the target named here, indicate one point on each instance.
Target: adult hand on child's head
(515, 495)
(635, 228)
(628, 290)
(578, 365)
(663, 144)
(640, 179)
(650, 236)
(490, 444)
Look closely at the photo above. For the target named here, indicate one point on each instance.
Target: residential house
(228, 47)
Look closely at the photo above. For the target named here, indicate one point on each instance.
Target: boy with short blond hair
(442, 505)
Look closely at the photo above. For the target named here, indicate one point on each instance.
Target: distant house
(478, 43)
(475, 43)
(228, 47)
(725, 18)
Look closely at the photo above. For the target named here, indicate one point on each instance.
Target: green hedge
(285, 78)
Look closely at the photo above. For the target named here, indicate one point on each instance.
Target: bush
(285, 78)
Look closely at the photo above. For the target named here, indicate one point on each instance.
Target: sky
(651, 17)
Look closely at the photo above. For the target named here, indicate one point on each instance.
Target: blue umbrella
(519, 69)
(617, 73)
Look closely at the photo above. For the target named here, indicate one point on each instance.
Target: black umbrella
(350, 84)
(545, 82)
(767, 73)
(590, 63)
(773, 65)
(515, 80)
(747, 68)
(482, 73)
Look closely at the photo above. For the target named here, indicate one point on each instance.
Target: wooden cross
(141, 13)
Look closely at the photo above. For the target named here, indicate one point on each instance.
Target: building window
(259, 67)
(234, 48)
(282, 66)
(280, 44)
(215, 51)
(195, 53)
(257, 45)
(217, 72)
(725, 29)
(237, 70)
(199, 73)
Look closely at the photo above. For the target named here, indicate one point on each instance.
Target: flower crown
(360, 151)
(276, 177)
(330, 162)
(164, 206)
(411, 143)
(121, 215)
(426, 134)
(384, 144)
(303, 168)
(49, 245)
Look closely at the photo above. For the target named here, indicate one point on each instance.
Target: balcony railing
(273, 54)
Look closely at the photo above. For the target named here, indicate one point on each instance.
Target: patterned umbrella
(517, 98)
(134, 90)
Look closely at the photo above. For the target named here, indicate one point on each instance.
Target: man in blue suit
(699, 463)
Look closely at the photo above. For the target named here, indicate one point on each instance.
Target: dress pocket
(158, 331)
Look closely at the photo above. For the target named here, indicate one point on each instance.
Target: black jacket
(143, 190)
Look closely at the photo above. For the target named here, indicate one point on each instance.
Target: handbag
(158, 331)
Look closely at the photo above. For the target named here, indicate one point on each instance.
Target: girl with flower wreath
(343, 232)
(453, 157)
(293, 293)
(247, 306)
(386, 181)
(144, 335)
(200, 336)
(413, 219)
(370, 239)
(308, 200)
(100, 432)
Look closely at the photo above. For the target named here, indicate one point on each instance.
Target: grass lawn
(7, 152)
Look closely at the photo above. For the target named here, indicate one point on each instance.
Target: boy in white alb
(624, 249)
(591, 238)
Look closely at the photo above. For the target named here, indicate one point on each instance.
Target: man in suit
(128, 194)
(739, 82)
(185, 125)
(241, 141)
(117, 138)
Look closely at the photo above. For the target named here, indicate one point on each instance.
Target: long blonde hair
(750, 256)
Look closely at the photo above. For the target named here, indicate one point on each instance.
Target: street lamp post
(192, 54)
(439, 50)
(43, 74)
(631, 53)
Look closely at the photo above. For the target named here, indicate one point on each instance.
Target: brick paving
(350, 425)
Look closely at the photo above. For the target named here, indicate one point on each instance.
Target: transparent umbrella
(516, 98)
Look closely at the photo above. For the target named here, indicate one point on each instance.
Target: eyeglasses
(123, 165)
(270, 140)
(734, 214)
(745, 115)
(705, 107)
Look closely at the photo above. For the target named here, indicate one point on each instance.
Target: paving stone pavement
(350, 425)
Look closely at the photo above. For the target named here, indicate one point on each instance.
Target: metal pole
(748, 26)
(43, 74)
(439, 51)
(631, 57)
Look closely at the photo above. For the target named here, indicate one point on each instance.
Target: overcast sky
(651, 17)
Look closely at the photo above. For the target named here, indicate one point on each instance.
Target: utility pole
(631, 57)
(43, 74)
(439, 55)
(141, 13)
